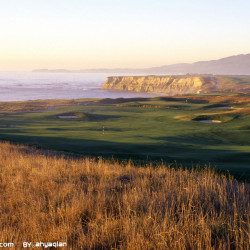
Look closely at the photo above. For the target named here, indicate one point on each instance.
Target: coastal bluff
(171, 85)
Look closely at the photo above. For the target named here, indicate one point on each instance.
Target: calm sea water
(21, 86)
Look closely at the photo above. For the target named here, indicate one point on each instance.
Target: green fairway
(142, 130)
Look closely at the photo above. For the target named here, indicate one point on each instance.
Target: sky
(80, 34)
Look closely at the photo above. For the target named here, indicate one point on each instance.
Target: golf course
(203, 130)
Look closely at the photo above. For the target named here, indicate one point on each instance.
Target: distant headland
(233, 65)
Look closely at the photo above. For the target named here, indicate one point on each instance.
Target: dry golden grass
(103, 205)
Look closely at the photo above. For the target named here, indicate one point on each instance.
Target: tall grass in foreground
(103, 205)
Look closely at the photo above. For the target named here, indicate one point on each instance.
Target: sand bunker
(67, 116)
(210, 121)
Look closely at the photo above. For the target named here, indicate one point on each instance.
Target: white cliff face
(161, 84)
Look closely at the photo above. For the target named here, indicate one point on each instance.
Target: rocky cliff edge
(171, 85)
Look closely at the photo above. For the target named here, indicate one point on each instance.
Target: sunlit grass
(102, 204)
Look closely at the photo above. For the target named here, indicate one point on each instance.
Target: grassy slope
(141, 133)
(234, 84)
(97, 204)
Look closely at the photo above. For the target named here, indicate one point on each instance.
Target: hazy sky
(78, 34)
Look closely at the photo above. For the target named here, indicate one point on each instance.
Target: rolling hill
(232, 65)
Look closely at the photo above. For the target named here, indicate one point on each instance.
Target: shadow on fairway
(186, 99)
(169, 152)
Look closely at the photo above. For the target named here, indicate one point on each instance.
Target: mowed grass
(98, 204)
(143, 130)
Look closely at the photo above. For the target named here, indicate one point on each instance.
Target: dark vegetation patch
(100, 117)
(121, 100)
(86, 116)
(247, 127)
(186, 99)
(216, 105)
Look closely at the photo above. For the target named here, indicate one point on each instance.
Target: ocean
(22, 86)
